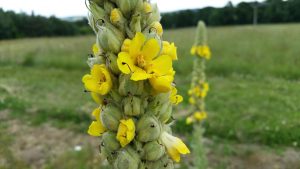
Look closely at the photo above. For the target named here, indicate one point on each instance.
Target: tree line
(13, 25)
(269, 11)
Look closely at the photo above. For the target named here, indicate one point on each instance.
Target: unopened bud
(127, 159)
(108, 40)
(127, 6)
(154, 16)
(165, 113)
(147, 7)
(98, 2)
(97, 60)
(158, 28)
(108, 6)
(110, 117)
(112, 63)
(163, 162)
(117, 18)
(109, 142)
(130, 87)
(135, 23)
(133, 106)
(148, 128)
(153, 151)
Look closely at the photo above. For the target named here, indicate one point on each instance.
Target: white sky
(64, 8)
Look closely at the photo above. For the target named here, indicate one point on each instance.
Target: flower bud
(148, 128)
(165, 113)
(97, 11)
(111, 61)
(158, 28)
(135, 24)
(153, 151)
(117, 19)
(108, 6)
(97, 60)
(127, 159)
(108, 40)
(163, 162)
(127, 6)
(128, 86)
(133, 106)
(110, 117)
(154, 16)
(98, 2)
(109, 142)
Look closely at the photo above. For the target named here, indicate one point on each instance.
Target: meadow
(253, 105)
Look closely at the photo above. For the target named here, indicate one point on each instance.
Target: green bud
(111, 61)
(94, 61)
(127, 6)
(148, 128)
(98, 2)
(109, 142)
(108, 40)
(154, 16)
(135, 24)
(165, 113)
(97, 11)
(163, 162)
(153, 151)
(201, 35)
(132, 106)
(130, 87)
(108, 6)
(110, 117)
(158, 104)
(127, 159)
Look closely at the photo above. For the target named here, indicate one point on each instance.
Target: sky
(66, 8)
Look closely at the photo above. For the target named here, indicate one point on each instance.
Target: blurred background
(253, 105)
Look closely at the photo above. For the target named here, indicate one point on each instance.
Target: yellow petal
(96, 129)
(96, 114)
(193, 50)
(125, 63)
(161, 65)
(174, 154)
(96, 49)
(126, 132)
(173, 52)
(97, 98)
(136, 44)
(161, 83)
(140, 74)
(90, 83)
(150, 50)
(126, 45)
(176, 99)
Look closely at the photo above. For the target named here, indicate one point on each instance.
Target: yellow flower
(189, 120)
(142, 62)
(174, 146)
(96, 128)
(99, 81)
(194, 50)
(204, 51)
(147, 7)
(115, 15)
(126, 45)
(198, 91)
(126, 132)
(200, 116)
(192, 100)
(174, 98)
(158, 27)
(169, 49)
(97, 98)
(205, 86)
(96, 49)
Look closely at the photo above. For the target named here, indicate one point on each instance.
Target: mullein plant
(131, 80)
(197, 93)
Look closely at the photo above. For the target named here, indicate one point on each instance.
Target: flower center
(141, 61)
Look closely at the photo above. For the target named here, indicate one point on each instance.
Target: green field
(254, 100)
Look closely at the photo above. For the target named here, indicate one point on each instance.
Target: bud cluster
(199, 86)
(131, 80)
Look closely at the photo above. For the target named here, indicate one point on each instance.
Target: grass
(254, 76)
